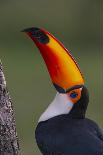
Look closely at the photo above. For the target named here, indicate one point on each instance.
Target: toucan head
(63, 69)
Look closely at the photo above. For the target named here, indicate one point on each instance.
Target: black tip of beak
(31, 29)
(38, 34)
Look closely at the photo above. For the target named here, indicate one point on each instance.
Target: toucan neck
(77, 112)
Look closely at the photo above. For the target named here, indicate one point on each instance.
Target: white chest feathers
(60, 105)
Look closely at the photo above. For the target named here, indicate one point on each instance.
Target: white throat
(60, 105)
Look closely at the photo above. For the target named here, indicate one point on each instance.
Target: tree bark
(8, 135)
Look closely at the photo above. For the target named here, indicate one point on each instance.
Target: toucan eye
(73, 94)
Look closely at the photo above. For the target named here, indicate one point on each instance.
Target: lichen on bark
(8, 136)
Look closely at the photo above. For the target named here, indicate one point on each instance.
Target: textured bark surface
(8, 135)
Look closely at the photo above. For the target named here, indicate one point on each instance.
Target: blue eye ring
(73, 94)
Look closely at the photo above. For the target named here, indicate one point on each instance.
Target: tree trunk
(8, 135)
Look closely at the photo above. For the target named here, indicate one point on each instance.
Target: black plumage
(70, 134)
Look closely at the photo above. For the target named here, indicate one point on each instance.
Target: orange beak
(63, 69)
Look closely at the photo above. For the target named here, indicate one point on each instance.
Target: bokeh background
(79, 26)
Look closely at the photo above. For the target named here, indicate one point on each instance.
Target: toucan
(63, 129)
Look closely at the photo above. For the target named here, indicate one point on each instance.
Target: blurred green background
(79, 26)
